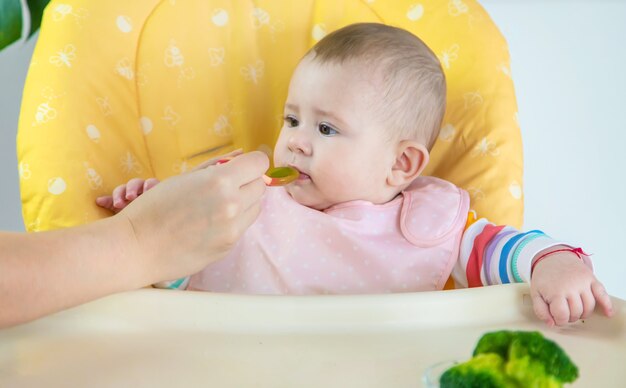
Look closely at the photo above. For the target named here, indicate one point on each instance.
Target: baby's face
(333, 136)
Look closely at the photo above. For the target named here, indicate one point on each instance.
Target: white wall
(567, 59)
(13, 66)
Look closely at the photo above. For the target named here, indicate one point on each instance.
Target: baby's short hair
(415, 86)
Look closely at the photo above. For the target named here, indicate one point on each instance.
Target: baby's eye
(291, 121)
(327, 130)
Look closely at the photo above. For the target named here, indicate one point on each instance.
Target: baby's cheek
(362, 182)
(337, 185)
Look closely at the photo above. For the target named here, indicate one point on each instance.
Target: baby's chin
(306, 200)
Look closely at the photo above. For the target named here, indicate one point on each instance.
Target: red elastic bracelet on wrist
(577, 251)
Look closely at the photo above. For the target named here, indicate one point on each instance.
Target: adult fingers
(230, 232)
(251, 193)
(559, 309)
(134, 188)
(248, 216)
(150, 183)
(212, 161)
(246, 168)
(602, 298)
(542, 310)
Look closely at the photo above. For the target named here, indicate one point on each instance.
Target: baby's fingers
(542, 310)
(576, 308)
(602, 298)
(134, 188)
(106, 202)
(589, 303)
(559, 309)
(119, 197)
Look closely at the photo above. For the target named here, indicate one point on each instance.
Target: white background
(568, 59)
(568, 64)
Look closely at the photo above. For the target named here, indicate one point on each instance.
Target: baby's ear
(411, 159)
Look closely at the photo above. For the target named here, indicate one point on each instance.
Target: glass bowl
(433, 373)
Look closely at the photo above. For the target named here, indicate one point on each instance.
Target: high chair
(150, 88)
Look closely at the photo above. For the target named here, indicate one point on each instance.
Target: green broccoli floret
(483, 371)
(530, 373)
(513, 359)
(496, 342)
(514, 345)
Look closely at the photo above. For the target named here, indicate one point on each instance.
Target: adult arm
(171, 231)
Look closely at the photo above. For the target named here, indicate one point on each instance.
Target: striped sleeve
(497, 254)
(179, 284)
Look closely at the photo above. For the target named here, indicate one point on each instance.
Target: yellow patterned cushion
(121, 89)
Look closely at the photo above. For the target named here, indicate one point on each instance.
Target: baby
(364, 108)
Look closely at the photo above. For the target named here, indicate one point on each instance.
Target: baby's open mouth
(303, 176)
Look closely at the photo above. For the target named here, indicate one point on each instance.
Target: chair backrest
(121, 89)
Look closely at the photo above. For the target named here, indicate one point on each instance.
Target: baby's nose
(298, 143)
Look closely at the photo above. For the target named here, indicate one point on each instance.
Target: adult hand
(172, 230)
(188, 221)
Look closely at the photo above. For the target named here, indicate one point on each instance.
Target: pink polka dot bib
(408, 244)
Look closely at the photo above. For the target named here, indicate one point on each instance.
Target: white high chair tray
(158, 338)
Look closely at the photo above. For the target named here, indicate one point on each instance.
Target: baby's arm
(563, 290)
(125, 194)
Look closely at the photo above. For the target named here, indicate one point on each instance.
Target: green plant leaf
(10, 22)
(36, 8)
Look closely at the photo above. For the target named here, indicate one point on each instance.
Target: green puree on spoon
(280, 176)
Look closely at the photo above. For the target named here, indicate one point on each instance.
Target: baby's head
(364, 109)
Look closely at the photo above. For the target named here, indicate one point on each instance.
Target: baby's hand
(564, 289)
(125, 194)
